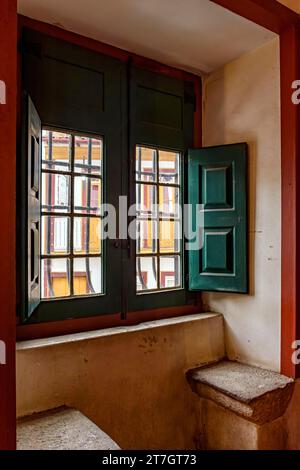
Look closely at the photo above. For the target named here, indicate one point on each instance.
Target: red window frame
(268, 14)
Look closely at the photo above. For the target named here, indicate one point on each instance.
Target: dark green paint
(30, 218)
(218, 181)
(161, 114)
(63, 79)
(76, 89)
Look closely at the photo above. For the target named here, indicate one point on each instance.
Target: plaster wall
(242, 104)
(130, 381)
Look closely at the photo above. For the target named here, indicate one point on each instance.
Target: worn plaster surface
(242, 104)
(131, 382)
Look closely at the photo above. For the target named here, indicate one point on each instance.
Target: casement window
(71, 242)
(159, 197)
(95, 129)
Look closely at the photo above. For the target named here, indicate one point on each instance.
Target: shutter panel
(32, 156)
(217, 179)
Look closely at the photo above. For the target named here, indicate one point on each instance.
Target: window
(102, 134)
(71, 241)
(92, 133)
(159, 253)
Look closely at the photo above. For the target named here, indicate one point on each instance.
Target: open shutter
(31, 160)
(217, 180)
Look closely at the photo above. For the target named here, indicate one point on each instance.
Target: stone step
(253, 393)
(61, 429)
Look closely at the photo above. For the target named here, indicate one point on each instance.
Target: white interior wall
(242, 103)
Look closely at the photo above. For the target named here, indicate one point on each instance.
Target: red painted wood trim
(46, 330)
(290, 136)
(267, 13)
(8, 73)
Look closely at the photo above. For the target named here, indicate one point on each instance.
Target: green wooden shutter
(31, 226)
(82, 91)
(217, 180)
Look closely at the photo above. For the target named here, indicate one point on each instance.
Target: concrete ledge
(124, 378)
(255, 394)
(61, 429)
(121, 330)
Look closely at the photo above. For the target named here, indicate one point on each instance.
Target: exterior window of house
(71, 247)
(159, 224)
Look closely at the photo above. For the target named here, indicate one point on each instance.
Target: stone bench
(61, 429)
(241, 406)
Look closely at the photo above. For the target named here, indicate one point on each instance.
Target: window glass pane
(87, 195)
(87, 276)
(167, 219)
(146, 273)
(55, 274)
(169, 236)
(169, 201)
(56, 151)
(88, 155)
(169, 167)
(87, 235)
(146, 163)
(57, 189)
(55, 235)
(55, 193)
(170, 272)
(146, 200)
(146, 236)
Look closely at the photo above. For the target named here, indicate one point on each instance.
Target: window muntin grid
(159, 249)
(71, 235)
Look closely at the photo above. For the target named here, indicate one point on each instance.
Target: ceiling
(194, 35)
(292, 4)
